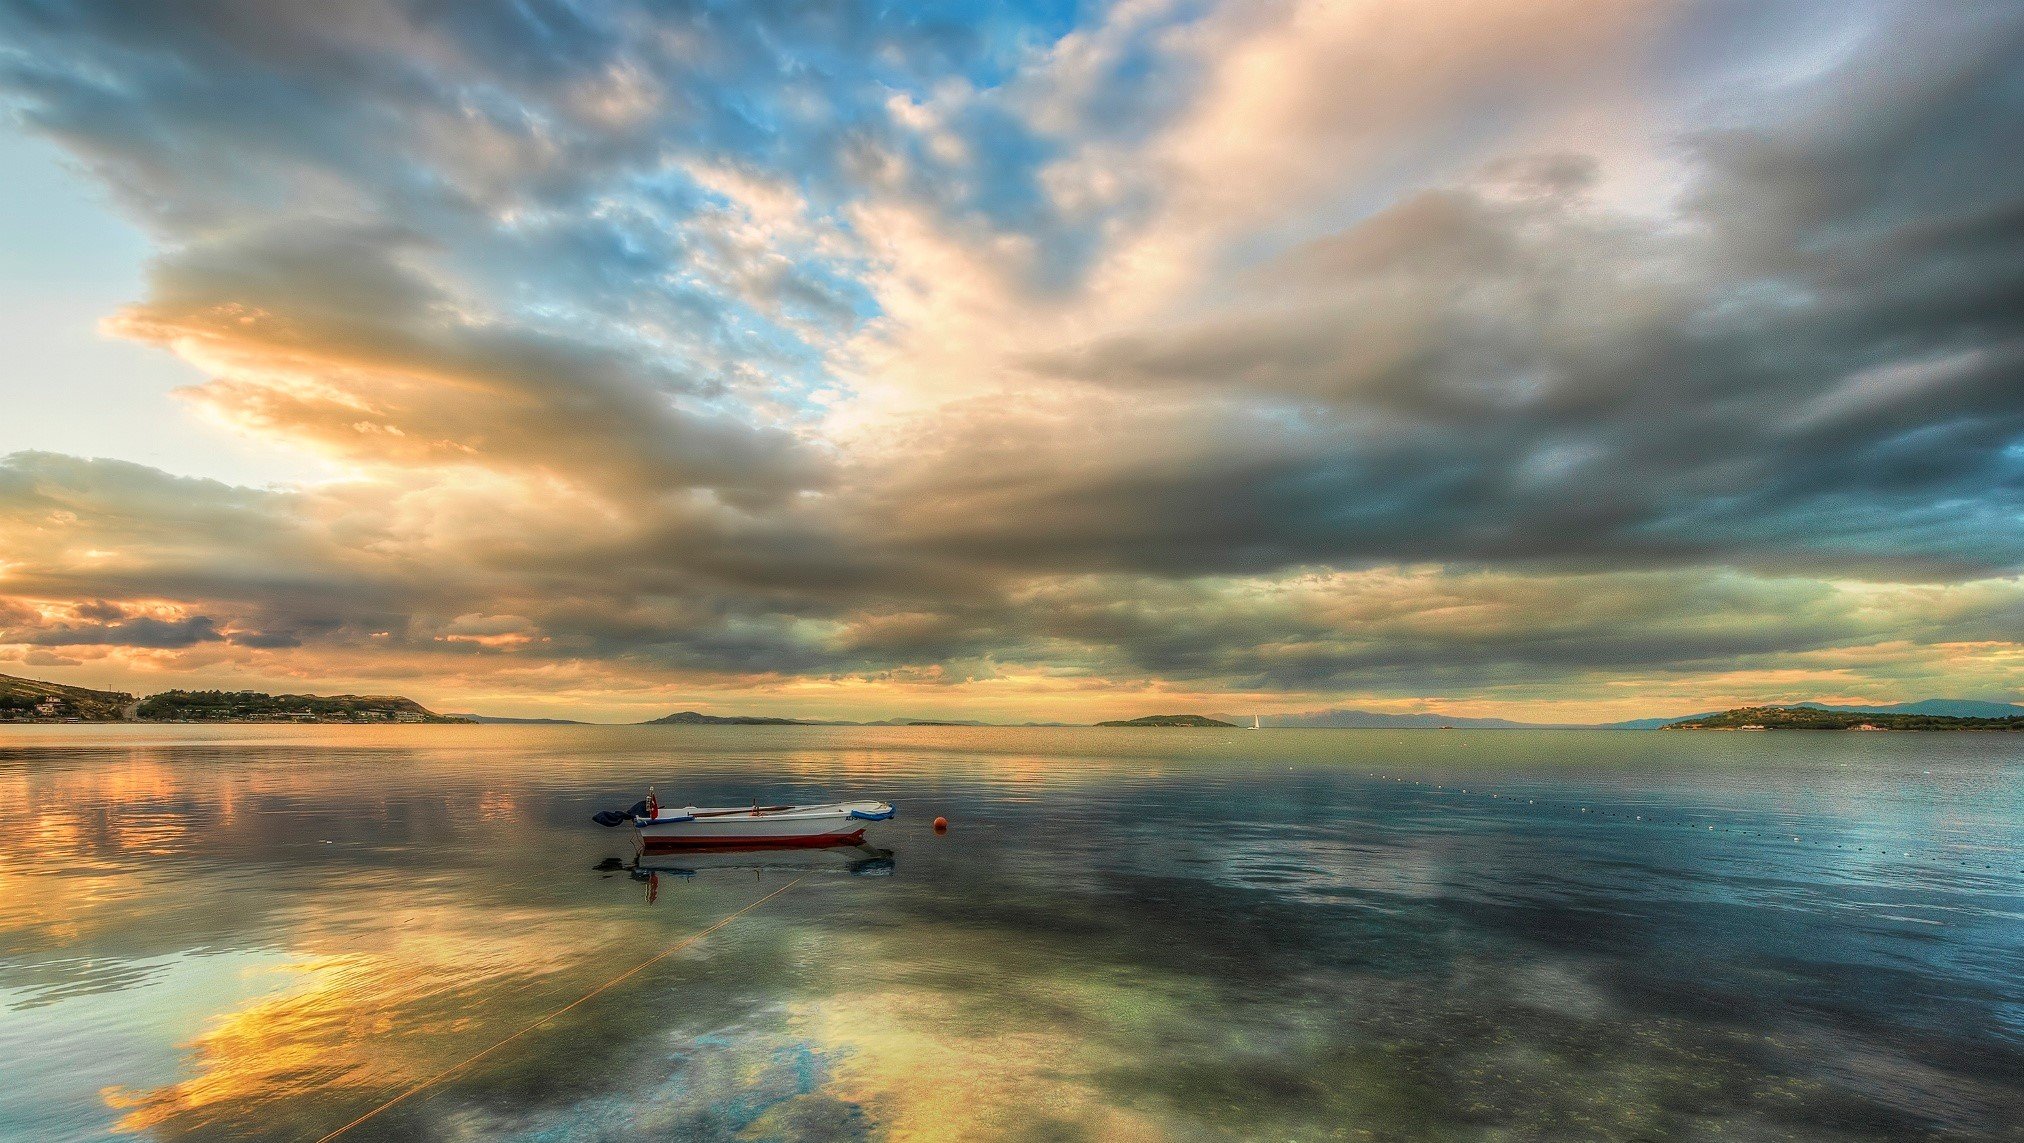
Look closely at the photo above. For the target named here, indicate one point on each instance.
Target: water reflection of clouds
(1118, 948)
(960, 1032)
(393, 986)
(747, 1080)
(760, 862)
(77, 1041)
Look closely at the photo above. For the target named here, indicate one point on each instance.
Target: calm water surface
(262, 933)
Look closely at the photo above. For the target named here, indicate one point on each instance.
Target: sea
(314, 933)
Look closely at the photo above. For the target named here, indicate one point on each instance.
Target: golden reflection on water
(401, 910)
(940, 1033)
(246, 1059)
(422, 981)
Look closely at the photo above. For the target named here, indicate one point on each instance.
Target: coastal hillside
(254, 706)
(1170, 720)
(32, 700)
(1822, 718)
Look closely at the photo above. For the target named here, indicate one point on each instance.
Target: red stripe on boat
(652, 844)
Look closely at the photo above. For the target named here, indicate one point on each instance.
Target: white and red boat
(662, 828)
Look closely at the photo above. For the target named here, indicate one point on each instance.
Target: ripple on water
(1153, 935)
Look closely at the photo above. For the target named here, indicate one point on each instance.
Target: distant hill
(1656, 723)
(1945, 708)
(32, 700)
(693, 718)
(255, 706)
(1171, 720)
(1809, 717)
(1949, 708)
(491, 719)
(1345, 719)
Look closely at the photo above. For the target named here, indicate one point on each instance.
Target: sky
(1542, 359)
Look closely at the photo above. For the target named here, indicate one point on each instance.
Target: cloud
(1503, 348)
(333, 339)
(1882, 389)
(1512, 364)
(140, 631)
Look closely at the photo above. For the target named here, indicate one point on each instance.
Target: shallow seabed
(264, 932)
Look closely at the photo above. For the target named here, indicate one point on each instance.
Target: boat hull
(673, 842)
(773, 827)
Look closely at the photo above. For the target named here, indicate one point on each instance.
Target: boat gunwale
(863, 810)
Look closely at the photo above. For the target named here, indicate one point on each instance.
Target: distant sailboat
(1254, 724)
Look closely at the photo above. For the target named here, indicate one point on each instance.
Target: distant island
(1171, 720)
(693, 718)
(1351, 719)
(1813, 717)
(502, 720)
(1945, 708)
(35, 701)
(31, 700)
(697, 718)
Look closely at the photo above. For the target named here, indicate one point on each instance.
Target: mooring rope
(665, 953)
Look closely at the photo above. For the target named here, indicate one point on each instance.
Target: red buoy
(941, 825)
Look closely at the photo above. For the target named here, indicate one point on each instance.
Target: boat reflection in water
(847, 860)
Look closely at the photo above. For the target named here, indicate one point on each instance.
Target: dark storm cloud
(1820, 363)
(1409, 633)
(139, 631)
(1406, 631)
(265, 639)
(1814, 359)
(672, 589)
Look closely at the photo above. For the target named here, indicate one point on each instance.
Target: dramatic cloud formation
(1549, 359)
